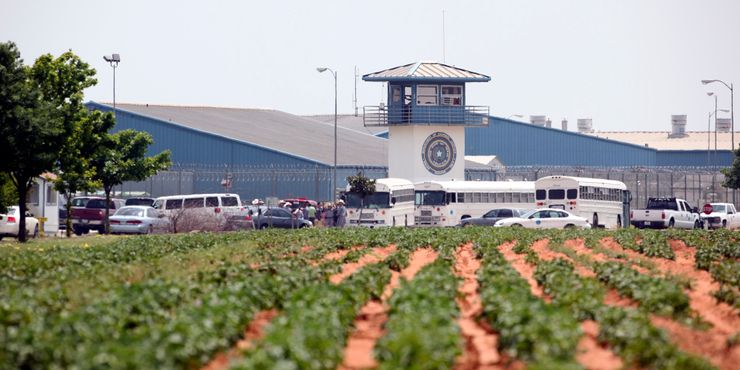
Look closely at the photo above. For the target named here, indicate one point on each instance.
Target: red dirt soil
(252, 334)
(480, 341)
(591, 354)
(541, 247)
(376, 255)
(358, 354)
(523, 268)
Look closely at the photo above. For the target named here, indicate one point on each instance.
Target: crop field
(473, 298)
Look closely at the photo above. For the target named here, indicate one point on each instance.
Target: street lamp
(732, 107)
(113, 59)
(515, 115)
(334, 169)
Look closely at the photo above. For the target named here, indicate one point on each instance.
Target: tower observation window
(452, 95)
(426, 95)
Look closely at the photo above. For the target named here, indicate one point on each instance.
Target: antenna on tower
(443, 38)
(354, 99)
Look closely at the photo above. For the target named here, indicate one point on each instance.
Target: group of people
(323, 214)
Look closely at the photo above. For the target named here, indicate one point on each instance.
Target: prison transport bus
(392, 204)
(600, 201)
(445, 203)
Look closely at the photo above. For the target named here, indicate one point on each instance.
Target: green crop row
(656, 295)
(312, 330)
(529, 328)
(421, 332)
(653, 243)
(628, 332)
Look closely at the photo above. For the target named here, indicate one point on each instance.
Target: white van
(201, 205)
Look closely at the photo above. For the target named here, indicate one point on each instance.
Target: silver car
(137, 220)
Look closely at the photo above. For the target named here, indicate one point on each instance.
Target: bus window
(451, 198)
(556, 194)
(541, 194)
(430, 198)
(572, 194)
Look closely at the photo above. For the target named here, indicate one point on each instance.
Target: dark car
(490, 217)
(278, 217)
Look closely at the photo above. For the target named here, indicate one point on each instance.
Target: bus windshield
(434, 198)
(376, 200)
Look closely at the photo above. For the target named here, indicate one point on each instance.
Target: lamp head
(709, 93)
(704, 82)
(321, 69)
(114, 58)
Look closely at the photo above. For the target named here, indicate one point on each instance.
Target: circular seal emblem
(438, 153)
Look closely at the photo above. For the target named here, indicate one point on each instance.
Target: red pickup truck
(91, 216)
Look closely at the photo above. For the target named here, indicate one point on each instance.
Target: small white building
(43, 202)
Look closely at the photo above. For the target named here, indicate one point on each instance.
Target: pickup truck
(666, 213)
(91, 216)
(720, 215)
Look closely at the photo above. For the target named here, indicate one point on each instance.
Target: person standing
(329, 215)
(311, 213)
(341, 213)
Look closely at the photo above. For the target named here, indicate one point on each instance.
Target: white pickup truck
(720, 215)
(666, 213)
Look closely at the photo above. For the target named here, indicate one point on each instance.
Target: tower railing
(383, 116)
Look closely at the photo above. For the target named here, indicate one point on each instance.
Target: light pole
(113, 59)
(334, 169)
(732, 107)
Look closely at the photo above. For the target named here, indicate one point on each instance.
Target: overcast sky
(628, 64)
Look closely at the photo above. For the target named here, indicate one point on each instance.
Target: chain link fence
(698, 185)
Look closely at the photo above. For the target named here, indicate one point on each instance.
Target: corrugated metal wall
(698, 158)
(521, 144)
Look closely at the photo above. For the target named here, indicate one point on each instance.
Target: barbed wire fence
(698, 185)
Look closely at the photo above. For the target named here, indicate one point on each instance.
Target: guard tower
(426, 117)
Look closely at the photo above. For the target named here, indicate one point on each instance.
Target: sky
(627, 64)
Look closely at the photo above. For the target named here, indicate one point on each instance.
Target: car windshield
(126, 211)
(657, 203)
(139, 202)
(718, 208)
(529, 213)
(376, 200)
(434, 198)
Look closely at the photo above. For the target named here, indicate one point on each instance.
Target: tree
(732, 175)
(362, 186)
(8, 194)
(74, 170)
(31, 127)
(122, 157)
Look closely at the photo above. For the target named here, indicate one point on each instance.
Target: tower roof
(426, 71)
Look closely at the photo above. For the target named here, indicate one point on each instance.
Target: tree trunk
(21, 187)
(68, 221)
(362, 205)
(106, 221)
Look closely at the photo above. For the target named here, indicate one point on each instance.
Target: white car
(720, 215)
(137, 220)
(545, 218)
(10, 222)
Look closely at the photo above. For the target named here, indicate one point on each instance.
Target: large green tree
(123, 158)
(31, 128)
(732, 174)
(75, 172)
(62, 81)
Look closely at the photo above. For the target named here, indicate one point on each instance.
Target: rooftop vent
(538, 120)
(564, 124)
(724, 124)
(678, 126)
(548, 123)
(585, 125)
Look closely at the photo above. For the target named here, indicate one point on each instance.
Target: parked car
(279, 217)
(666, 213)
(546, 218)
(10, 223)
(76, 202)
(139, 201)
(490, 217)
(720, 215)
(137, 220)
(92, 215)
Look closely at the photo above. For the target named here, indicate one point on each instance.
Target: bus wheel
(595, 224)
(516, 225)
(570, 226)
(464, 217)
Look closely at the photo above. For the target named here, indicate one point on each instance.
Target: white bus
(445, 203)
(392, 204)
(598, 200)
